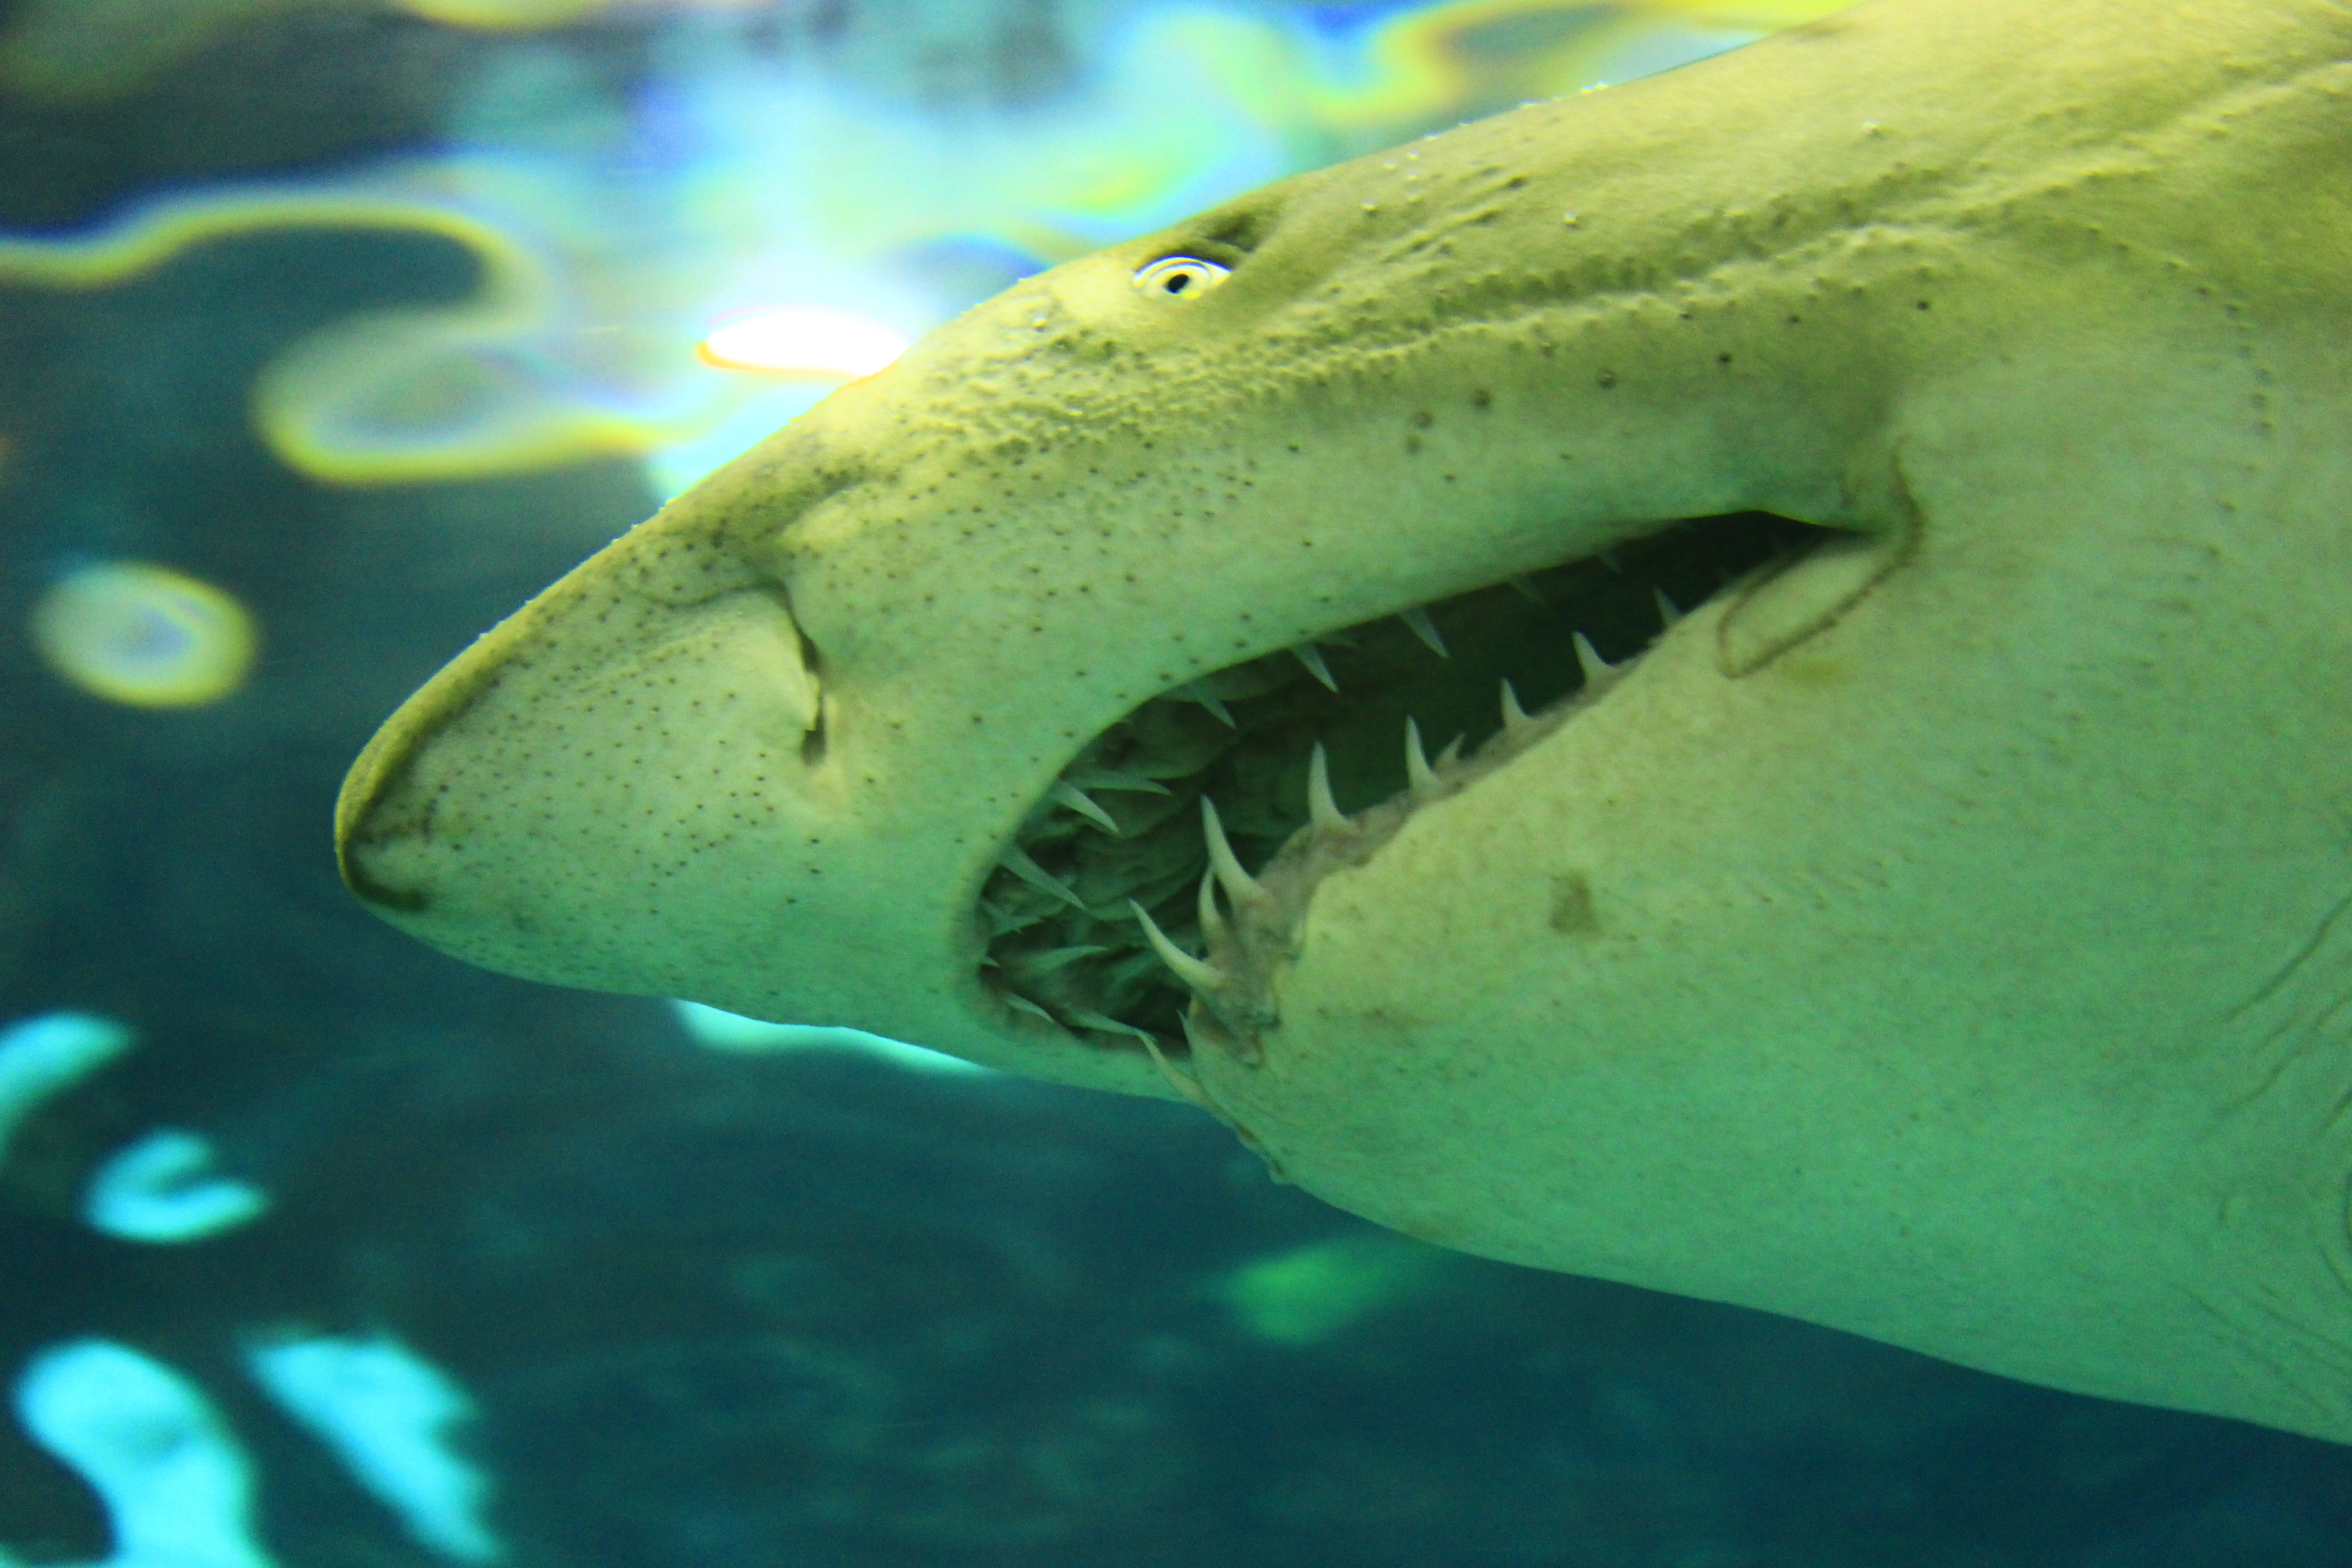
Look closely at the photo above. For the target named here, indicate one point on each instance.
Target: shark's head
(1114, 535)
(1940, 409)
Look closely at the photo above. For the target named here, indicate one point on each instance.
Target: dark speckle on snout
(1572, 906)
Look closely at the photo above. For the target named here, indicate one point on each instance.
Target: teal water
(319, 1248)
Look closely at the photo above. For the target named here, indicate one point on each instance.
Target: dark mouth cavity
(1124, 822)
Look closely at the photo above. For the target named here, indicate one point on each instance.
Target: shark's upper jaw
(1104, 912)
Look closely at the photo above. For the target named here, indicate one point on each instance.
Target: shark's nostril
(815, 739)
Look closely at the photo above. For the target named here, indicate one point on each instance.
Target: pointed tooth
(1021, 1004)
(1213, 923)
(1183, 1083)
(1112, 779)
(1589, 660)
(1017, 860)
(1070, 794)
(1452, 753)
(1668, 611)
(1515, 718)
(1424, 628)
(1239, 885)
(1525, 587)
(1322, 810)
(1199, 976)
(1417, 774)
(1307, 654)
(1193, 691)
(1087, 1018)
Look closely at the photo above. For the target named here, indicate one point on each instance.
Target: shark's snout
(622, 736)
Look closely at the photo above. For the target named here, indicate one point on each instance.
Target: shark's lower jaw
(1302, 762)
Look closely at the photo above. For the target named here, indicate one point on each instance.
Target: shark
(1740, 683)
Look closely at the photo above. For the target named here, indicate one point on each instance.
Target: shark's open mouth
(1400, 712)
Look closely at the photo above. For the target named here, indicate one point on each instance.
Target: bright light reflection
(803, 340)
(178, 1489)
(724, 1031)
(387, 1413)
(163, 1190)
(46, 1055)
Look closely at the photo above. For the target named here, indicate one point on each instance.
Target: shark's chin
(1148, 894)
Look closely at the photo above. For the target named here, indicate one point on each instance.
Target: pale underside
(1938, 933)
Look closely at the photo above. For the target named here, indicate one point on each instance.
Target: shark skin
(1943, 937)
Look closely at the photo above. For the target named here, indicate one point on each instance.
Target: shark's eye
(1180, 277)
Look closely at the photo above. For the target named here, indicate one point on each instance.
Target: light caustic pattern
(161, 1188)
(177, 1484)
(735, 185)
(136, 633)
(85, 51)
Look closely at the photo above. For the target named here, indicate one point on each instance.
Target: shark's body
(1943, 938)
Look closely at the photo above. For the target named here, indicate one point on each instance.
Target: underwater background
(332, 330)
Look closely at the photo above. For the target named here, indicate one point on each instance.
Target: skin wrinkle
(1950, 950)
(2303, 956)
